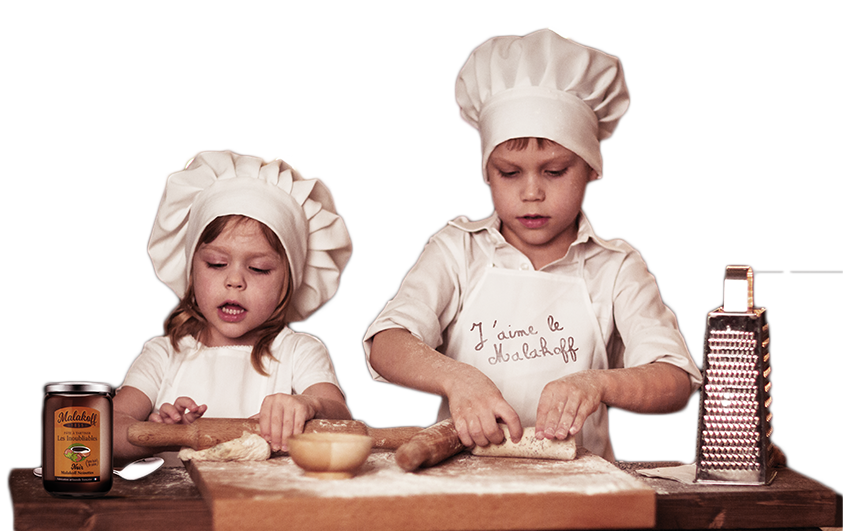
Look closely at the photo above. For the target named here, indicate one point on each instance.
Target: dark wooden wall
(82, 298)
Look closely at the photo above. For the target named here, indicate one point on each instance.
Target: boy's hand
(183, 411)
(475, 403)
(566, 403)
(283, 415)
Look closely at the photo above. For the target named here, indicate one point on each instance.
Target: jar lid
(78, 387)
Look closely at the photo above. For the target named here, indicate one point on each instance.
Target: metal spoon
(136, 470)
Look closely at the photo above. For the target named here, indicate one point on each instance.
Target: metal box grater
(734, 424)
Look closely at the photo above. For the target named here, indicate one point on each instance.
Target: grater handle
(738, 289)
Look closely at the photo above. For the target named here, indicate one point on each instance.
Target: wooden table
(169, 499)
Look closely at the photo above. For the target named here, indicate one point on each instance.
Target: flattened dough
(529, 446)
(249, 447)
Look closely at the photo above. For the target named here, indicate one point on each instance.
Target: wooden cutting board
(462, 493)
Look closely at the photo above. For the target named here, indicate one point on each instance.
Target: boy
(527, 317)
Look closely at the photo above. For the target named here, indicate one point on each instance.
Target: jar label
(77, 444)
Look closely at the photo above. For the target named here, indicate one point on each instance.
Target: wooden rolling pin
(429, 447)
(205, 433)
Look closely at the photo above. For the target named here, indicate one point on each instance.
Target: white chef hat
(542, 85)
(299, 211)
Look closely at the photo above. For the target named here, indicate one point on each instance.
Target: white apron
(524, 329)
(220, 377)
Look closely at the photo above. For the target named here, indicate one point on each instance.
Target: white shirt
(636, 326)
(223, 377)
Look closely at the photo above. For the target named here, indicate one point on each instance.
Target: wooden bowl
(329, 455)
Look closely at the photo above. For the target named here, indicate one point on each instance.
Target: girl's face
(537, 193)
(238, 281)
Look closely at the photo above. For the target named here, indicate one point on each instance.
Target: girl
(248, 247)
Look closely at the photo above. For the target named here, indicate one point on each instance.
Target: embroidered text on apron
(524, 329)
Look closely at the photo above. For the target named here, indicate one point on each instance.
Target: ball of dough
(249, 447)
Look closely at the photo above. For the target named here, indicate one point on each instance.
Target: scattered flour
(464, 474)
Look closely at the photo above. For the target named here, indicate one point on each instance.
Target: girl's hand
(566, 403)
(183, 411)
(475, 403)
(283, 415)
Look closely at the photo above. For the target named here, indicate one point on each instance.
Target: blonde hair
(187, 319)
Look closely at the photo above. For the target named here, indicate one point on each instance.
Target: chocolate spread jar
(77, 439)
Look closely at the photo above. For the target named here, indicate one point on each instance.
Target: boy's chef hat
(300, 211)
(542, 85)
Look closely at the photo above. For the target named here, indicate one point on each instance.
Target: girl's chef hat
(300, 211)
(542, 85)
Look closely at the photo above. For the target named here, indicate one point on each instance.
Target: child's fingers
(281, 416)
(170, 414)
(191, 416)
(512, 421)
(479, 429)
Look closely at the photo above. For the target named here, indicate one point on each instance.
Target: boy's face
(238, 281)
(537, 193)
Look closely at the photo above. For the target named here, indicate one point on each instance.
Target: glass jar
(77, 439)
